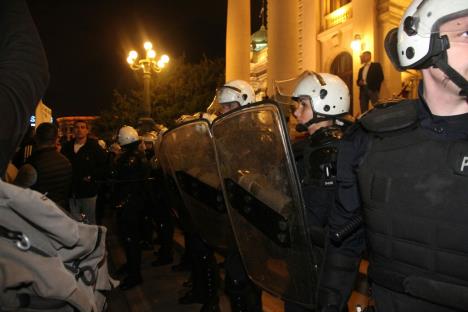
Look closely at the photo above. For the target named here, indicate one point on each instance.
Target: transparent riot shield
(170, 186)
(190, 151)
(264, 201)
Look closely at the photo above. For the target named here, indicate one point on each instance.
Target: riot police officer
(243, 294)
(321, 100)
(404, 170)
(161, 212)
(131, 171)
(148, 140)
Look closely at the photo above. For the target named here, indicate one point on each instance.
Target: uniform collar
(455, 127)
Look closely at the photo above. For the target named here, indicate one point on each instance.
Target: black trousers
(129, 221)
(243, 294)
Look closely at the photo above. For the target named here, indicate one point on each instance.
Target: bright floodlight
(164, 58)
(151, 54)
(133, 55)
(148, 45)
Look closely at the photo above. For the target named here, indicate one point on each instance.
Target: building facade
(324, 36)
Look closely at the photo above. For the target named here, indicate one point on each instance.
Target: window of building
(332, 5)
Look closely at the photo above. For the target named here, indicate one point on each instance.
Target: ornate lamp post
(148, 66)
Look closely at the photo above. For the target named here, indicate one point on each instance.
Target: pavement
(162, 287)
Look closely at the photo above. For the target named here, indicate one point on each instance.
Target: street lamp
(147, 65)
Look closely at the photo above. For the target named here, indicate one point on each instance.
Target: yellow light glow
(356, 44)
(130, 60)
(164, 58)
(161, 64)
(133, 54)
(148, 45)
(339, 12)
(151, 54)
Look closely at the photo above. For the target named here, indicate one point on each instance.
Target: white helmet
(127, 135)
(149, 137)
(236, 91)
(328, 94)
(417, 44)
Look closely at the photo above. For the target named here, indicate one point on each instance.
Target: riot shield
(190, 151)
(170, 186)
(264, 201)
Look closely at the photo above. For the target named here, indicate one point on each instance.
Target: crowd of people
(291, 217)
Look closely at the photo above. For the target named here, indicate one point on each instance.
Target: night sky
(87, 42)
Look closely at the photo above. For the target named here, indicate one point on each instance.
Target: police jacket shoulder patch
(391, 116)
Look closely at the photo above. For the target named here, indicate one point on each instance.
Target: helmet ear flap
(391, 41)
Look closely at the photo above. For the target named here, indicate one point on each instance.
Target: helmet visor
(456, 29)
(228, 94)
(214, 108)
(439, 17)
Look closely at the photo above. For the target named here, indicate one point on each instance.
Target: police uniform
(406, 172)
(315, 158)
(132, 169)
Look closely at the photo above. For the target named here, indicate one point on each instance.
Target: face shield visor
(229, 98)
(284, 92)
(215, 107)
(432, 17)
(229, 94)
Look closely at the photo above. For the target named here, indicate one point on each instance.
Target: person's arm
(342, 258)
(359, 78)
(102, 164)
(379, 72)
(23, 75)
(26, 177)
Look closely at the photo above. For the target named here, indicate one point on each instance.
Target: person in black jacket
(318, 114)
(131, 171)
(89, 162)
(403, 170)
(24, 76)
(369, 80)
(46, 170)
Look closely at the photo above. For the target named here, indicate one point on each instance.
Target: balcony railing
(338, 16)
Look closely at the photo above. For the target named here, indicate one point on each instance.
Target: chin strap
(459, 80)
(303, 127)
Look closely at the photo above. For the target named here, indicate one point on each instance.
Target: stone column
(238, 40)
(283, 44)
(310, 28)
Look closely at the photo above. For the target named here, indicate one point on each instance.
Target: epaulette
(390, 116)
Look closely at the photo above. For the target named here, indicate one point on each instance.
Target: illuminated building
(323, 36)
